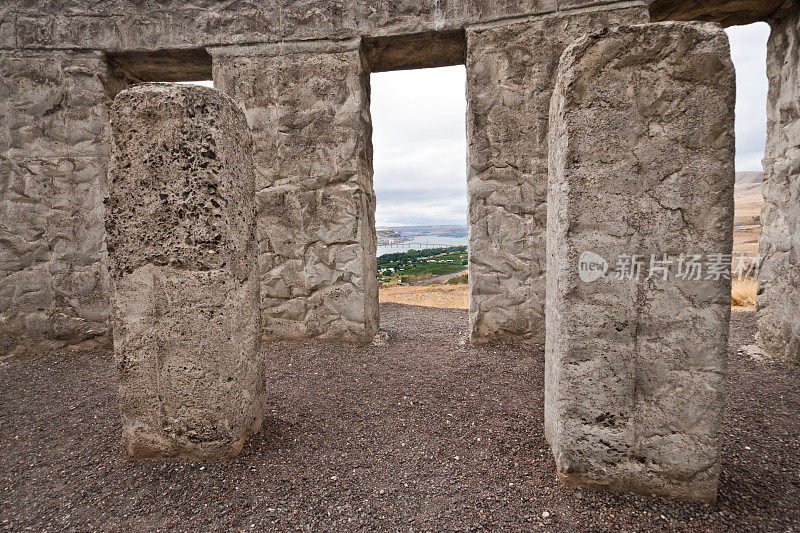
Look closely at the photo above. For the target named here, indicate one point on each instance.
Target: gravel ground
(419, 431)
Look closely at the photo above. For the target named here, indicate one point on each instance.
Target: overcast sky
(420, 141)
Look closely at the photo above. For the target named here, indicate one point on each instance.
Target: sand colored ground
(441, 296)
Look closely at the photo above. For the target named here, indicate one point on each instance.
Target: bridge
(422, 245)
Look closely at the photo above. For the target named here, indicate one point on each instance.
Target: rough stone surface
(309, 113)
(182, 252)
(127, 25)
(510, 78)
(779, 278)
(641, 162)
(53, 157)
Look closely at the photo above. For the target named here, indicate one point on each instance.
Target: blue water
(418, 240)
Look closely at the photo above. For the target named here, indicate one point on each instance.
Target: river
(418, 240)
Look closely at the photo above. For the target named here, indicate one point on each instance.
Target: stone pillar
(182, 253)
(308, 107)
(778, 306)
(510, 77)
(53, 157)
(641, 164)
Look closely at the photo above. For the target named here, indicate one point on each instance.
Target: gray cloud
(420, 146)
(749, 53)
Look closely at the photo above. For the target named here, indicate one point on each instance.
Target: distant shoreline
(388, 236)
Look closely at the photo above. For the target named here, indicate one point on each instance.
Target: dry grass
(442, 296)
(743, 292)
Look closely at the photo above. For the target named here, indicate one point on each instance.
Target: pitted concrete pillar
(308, 108)
(779, 278)
(641, 181)
(53, 157)
(182, 253)
(510, 77)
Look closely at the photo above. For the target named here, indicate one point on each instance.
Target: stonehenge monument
(182, 255)
(641, 166)
(299, 260)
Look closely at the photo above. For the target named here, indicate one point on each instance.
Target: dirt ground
(419, 431)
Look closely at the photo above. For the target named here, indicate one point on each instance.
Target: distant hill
(397, 234)
(749, 177)
(748, 184)
(389, 236)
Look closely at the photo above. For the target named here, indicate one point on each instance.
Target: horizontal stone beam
(161, 65)
(420, 50)
(126, 26)
(725, 12)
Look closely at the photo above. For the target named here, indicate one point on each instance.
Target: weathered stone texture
(309, 114)
(53, 157)
(779, 279)
(641, 162)
(510, 78)
(182, 253)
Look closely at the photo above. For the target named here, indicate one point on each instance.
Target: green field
(421, 263)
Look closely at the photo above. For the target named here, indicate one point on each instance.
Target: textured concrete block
(309, 113)
(182, 252)
(779, 279)
(510, 78)
(53, 157)
(641, 164)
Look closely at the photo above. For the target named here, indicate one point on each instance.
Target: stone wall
(779, 288)
(641, 171)
(126, 25)
(308, 109)
(182, 254)
(510, 78)
(53, 156)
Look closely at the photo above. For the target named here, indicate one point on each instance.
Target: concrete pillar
(53, 157)
(778, 305)
(510, 77)
(641, 164)
(308, 107)
(182, 253)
